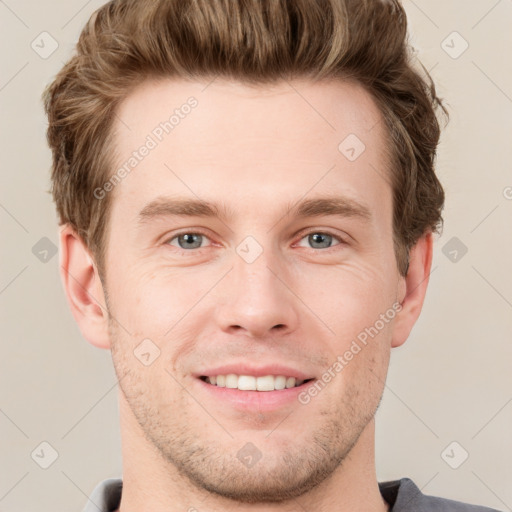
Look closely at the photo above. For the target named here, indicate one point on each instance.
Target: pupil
(320, 238)
(190, 239)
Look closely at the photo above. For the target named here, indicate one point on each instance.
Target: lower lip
(255, 400)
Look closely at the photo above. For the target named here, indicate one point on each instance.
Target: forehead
(233, 108)
(281, 141)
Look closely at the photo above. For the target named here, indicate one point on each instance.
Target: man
(248, 201)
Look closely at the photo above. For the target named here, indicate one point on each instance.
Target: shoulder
(106, 496)
(405, 496)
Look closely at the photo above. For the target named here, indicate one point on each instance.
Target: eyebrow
(321, 206)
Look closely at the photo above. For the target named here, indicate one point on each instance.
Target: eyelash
(302, 236)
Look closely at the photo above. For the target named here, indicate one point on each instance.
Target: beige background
(450, 382)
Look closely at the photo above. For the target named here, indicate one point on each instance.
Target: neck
(151, 483)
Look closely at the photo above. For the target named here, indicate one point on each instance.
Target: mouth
(253, 394)
(264, 383)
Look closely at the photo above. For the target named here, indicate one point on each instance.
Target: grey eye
(188, 240)
(319, 240)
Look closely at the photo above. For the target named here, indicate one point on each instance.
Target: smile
(253, 383)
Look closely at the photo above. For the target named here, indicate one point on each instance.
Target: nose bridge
(255, 297)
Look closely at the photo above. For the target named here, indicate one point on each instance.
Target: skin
(260, 150)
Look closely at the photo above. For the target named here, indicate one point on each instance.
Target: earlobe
(83, 288)
(412, 289)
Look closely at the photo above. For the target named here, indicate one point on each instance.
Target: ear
(412, 289)
(83, 288)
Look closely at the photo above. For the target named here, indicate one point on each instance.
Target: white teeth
(231, 380)
(251, 383)
(290, 382)
(265, 383)
(280, 382)
(246, 383)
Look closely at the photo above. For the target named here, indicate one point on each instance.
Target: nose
(255, 300)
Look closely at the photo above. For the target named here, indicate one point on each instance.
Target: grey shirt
(403, 495)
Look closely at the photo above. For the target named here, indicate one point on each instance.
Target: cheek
(143, 302)
(357, 307)
(349, 296)
(161, 302)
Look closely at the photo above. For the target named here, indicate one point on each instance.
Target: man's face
(259, 291)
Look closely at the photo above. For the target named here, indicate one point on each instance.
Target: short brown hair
(252, 41)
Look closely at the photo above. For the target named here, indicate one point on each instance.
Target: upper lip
(256, 371)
